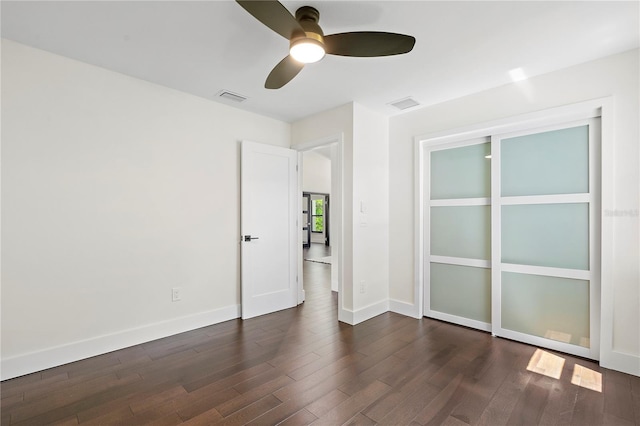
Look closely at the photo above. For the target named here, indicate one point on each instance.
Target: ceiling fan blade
(274, 15)
(368, 44)
(283, 73)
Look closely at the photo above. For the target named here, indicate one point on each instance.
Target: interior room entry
(320, 187)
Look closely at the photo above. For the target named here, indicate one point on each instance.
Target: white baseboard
(404, 308)
(363, 314)
(59, 355)
(619, 361)
(370, 311)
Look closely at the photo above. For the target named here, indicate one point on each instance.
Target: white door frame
(593, 108)
(337, 206)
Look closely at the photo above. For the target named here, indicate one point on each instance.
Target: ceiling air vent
(405, 103)
(225, 94)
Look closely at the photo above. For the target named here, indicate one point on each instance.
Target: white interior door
(269, 207)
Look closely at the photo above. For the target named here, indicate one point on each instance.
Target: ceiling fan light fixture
(306, 50)
(308, 44)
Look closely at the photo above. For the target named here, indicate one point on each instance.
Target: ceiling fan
(308, 44)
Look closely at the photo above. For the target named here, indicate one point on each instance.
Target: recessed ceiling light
(404, 103)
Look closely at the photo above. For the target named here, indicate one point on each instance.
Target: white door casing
(269, 208)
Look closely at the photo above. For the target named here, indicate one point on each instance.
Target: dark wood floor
(301, 366)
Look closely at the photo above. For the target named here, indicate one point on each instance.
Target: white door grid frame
(493, 215)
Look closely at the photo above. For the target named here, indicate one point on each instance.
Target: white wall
(316, 173)
(114, 191)
(615, 76)
(364, 179)
(371, 194)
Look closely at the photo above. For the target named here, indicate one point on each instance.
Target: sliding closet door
(458, 232)
(545, 219)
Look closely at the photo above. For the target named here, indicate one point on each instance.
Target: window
(317, 216)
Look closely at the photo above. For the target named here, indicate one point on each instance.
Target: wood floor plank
(20, 387)
(487, 372)
(69, 421)
(403, 406)
(58, 405)
(337, 372)
(618, 399)
(530, 405)
(236, 373)
(302, 417)
(122, 416)
(438, 403)
(589, 408)
(204, 404)
(209, 417)
(159, 413)
(322, 405)
(411, 392)
(359, 420)
(250, 396)
(157, 398)
(252, 411)
(353, 405)
(368, 376)
(502, 403)
(172, 419)
(296, 397)
(635, 394)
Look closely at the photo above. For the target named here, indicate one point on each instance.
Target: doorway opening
(320, 225)
(316, 216)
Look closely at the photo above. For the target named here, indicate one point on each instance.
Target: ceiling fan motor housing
(308, 18)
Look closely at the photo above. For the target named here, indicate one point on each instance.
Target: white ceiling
(204, 47)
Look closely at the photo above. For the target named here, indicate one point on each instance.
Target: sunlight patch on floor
(545, 363)
(587, 378)
(551, 365)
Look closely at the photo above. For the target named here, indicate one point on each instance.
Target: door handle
(248, 238)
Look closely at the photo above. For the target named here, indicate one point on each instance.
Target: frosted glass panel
(461, 231)
(555, 235)
(461, 172)
(555, 308)
(461, 291)
(546, 163)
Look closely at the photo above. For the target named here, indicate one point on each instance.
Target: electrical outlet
(176, 294)
(363, 287)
